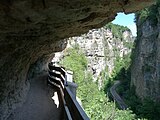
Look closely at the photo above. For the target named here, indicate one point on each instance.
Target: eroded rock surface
(145, 70)
(32, 30)
(101, 48)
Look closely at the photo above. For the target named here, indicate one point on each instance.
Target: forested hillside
(104, 48)
(94, 101)
(96, 58)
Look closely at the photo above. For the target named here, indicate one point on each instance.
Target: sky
(126, 20)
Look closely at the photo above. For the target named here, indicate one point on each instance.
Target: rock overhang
(62, 18)
(32, 30)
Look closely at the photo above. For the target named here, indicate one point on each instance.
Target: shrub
(95, 102)
(117, 30)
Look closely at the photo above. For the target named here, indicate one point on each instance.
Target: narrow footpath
(39, 104)
(116, 97)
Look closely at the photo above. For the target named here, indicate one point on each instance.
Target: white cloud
(133, 28)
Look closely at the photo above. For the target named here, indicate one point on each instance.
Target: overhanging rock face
(32, 30)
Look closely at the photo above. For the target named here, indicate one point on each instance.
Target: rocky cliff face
(145, 70)
(101, 48)
(32, 30)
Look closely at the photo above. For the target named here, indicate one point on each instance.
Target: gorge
(102, 48)
(146, 61)
(93, 58)
(32, 31)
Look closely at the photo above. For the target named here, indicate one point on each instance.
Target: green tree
(117, 30)
(95, 102)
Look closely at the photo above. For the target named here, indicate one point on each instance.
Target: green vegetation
(94, 101)
(128, 45)
(147, 109)
(142, 15)
(149, 13)
(142, 108)
(117, 30)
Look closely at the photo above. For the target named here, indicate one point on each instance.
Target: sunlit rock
(32, 30)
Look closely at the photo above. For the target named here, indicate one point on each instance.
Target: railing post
(69, 76)
(70, 84)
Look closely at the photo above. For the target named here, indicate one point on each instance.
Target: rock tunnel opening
(33, 31)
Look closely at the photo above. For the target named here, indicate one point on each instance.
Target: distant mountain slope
(103, 47)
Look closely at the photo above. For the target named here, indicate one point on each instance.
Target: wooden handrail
(72, 109)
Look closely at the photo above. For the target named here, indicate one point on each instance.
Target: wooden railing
(57, 78)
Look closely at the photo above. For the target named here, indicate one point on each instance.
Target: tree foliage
(147, 108)
(149, 13)
(94, 101)
(117, 30)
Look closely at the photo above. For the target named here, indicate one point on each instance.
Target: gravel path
(39, 104)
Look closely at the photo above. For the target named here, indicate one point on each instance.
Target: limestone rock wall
(101, 49)
(145, 70)
(31, 29)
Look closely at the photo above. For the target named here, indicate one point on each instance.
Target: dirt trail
(39, 104)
